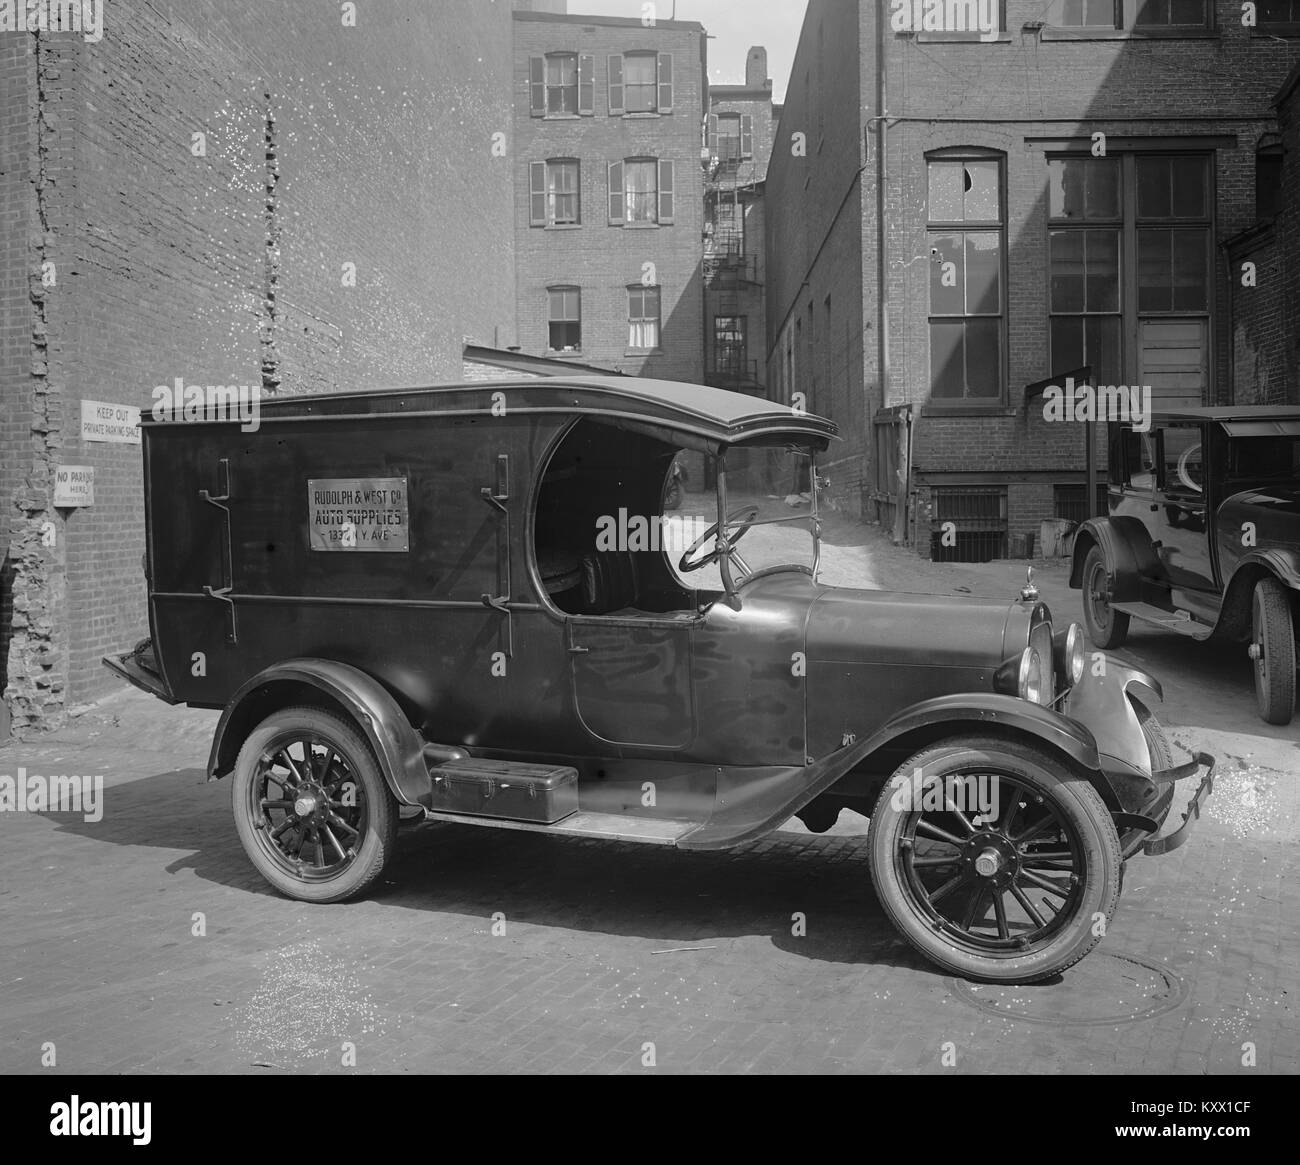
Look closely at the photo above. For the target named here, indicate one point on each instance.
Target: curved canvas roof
(711, 413)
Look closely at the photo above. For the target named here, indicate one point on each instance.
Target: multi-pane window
(1083, 243)
(640, 82)
(1173, 235)
(564, 319)
(643, 318)
(731, 136)
(562, 85)
(1143, 15)
(1130, 262)
(641, 192)
(729, 345)
(966, 245)
(554, 193)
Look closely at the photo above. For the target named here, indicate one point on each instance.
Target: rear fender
(1129, 554)
(397, 746)
(747, 809)
(1234, 613)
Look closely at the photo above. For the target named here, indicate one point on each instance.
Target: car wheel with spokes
(1013, 886)
(1106, 626)
(311, 806)
(1273, 651)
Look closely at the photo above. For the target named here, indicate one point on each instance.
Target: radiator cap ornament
(1029, 592)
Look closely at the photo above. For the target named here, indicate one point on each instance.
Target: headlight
(1068, 655)
(1030, 680)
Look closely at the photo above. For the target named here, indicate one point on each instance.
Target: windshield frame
(722, 544)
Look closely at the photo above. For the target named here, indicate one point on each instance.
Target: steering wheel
(1183, 475)
(686, 565)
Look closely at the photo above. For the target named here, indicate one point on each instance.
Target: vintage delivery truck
(466, 603)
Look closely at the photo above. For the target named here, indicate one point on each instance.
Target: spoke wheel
(994, 859)
(1107, 627)
(1273, 651)
(311, 806)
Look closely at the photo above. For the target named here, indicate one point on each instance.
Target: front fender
(396, 744)
(1129, 555)
(747, 809)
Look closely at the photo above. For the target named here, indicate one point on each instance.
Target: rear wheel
(311, 806)
(1273, 651)
(1013, 893)
(1107, 627)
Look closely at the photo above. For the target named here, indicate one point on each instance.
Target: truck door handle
(575, 650)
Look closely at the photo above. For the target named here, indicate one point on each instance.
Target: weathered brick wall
(1260, 326)
(1287, 242)
(604, 260)
(324, 145)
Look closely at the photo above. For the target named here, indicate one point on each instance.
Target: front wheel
(994, 860)
(1273, 651)
(1106, 626)
(311, 806)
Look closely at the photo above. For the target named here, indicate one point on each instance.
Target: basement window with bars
(564, 319)
(968, 523)
(1278, 16)
(1068, 502)
(967, 249)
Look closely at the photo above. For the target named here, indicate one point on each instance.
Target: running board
(1182, 624)
(610, 826)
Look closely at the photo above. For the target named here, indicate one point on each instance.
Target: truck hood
(886, 627)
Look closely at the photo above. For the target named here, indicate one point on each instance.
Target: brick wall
(324, 145)
(1011, 97)
(600, 259)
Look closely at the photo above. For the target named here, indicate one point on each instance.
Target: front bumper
(1104, 704)
(1156, 846)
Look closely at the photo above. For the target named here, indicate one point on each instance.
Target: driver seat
(609, 581)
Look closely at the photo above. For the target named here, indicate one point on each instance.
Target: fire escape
(733, 278)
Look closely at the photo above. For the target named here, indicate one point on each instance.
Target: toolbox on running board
(500, 788)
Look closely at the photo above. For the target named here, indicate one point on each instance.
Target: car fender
(747, 808)
(397, 746)
(1234, 612)
(1129, 554)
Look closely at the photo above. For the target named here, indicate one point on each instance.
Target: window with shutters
(641, 192)
(967, 250)
(1130, 259)
(564, 317)
(562, 85)
(554, 198)
(640, 83)
(731, 136)
(642, 318)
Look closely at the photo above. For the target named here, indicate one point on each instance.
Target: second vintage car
(1202, 538)
(467, 603)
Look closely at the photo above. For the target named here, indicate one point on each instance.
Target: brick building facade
(739, 144)
(609, 191)
(1006, 208)
(281, 196)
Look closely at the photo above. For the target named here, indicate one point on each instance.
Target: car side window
(1183, 469)
(1139, 460)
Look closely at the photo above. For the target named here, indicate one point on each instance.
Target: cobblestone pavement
(606, 948)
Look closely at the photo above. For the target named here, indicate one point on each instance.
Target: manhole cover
(1106, 988)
